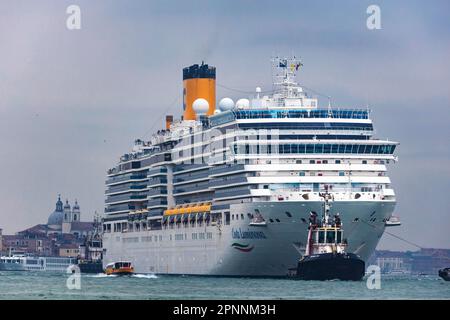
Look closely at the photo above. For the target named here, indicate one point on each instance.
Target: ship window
(364, 162)
(321, 237)
(298, 161)
(227, 218)
(277, 220)
(242, 216)
(324, 161)
(288, 214)
(302, 173)
(341, 173)
(271, 220)
(330, 236)
(312, 161)
(337, 161)
(339, 237)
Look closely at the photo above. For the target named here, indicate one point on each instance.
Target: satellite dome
(258, 89)
(200, 106)
(243, 104)
(226, 104)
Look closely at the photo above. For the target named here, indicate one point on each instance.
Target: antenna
(330, 113)
(284, 73)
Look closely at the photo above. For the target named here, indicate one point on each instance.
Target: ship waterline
(229, 191)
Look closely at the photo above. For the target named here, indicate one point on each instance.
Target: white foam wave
(102, 275)
(146, 276)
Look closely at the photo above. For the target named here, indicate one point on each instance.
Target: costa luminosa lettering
(247, 234)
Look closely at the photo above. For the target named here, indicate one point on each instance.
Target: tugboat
(445, 274)
(325, 257)
(119, 268)
(93, 251)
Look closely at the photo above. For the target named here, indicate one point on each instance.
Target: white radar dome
(200, 106)
(226, 104)
(243, 104)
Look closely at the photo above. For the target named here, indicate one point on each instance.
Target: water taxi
(119, 268)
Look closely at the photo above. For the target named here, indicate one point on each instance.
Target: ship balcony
(125, 198)
(156, 192)
(156, 203)
(157, 172)
(183, 168)
(124, 188)
(126, 177)
(225, 169)
(156, 181)
(228, 182)
(192, 176)
(191, 189)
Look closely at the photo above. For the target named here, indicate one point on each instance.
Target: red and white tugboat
(325, 257)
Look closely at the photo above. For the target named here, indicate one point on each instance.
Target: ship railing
(339, 113)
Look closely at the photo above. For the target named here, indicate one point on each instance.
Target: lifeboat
(119, 268)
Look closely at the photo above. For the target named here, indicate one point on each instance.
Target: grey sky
(71, 102)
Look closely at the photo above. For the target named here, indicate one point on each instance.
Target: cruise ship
(229, 190)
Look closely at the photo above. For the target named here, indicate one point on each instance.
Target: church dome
(56, 217)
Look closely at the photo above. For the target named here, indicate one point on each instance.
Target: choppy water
(40, 285)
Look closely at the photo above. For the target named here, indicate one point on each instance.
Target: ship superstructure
(229, 191)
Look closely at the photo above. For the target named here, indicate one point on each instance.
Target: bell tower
(76, 214)
(67, 218)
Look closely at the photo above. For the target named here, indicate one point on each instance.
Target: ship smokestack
(199, 82)
(169, 121)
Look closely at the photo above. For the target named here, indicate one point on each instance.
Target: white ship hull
(239, 249)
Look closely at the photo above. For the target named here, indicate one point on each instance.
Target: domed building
(65, 219)
(63, 233)
(55, 219)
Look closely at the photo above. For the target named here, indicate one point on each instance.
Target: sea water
(44, 285)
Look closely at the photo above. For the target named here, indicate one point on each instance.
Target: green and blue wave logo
(243, 247)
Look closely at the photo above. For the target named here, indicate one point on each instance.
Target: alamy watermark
(374, 279)
(73, 282)
(73, 21)
(373, 22)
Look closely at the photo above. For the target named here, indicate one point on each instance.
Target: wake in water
(146, 276)
(102, 275)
